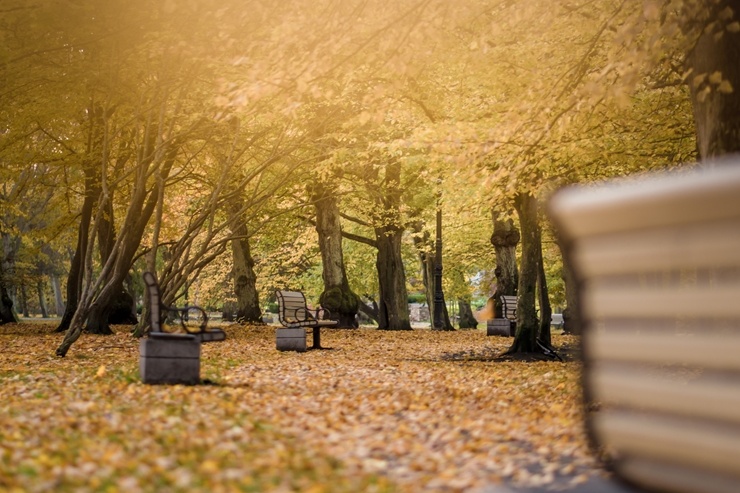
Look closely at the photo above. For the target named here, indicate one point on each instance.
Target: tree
(504, 239)
(714, 77)
(337, 296)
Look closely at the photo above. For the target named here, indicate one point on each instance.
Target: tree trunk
(7, 315)
(58, 300)
(504, 239)
(571, 322)
(337, 298)
(92, 193)
(717, 106)
(42, 298)
(393, 309)
(467, 320)
(527, 328)
(24, 301)
(543, 295)
(245, 283)
(245, 280)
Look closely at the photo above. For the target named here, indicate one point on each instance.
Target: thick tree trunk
(337, 298)
(467, 320)
(7, 315)
(527, 327)
(717, 104)
(245, 280)
(504, 239)
(393, 309)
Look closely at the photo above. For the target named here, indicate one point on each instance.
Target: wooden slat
(715, 245)
(714, 351)
(603, 300)
(702, 445)
(713, 397)
(668, 477)
(636, 203)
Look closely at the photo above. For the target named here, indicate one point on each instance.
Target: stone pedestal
(170, 359)
(499, 327)
(291, 339)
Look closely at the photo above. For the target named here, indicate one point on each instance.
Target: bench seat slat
(712, 396)
(710, 446)
(704, 245)
(602, 300)
(658, 202)
(708, 350)
(683, 479)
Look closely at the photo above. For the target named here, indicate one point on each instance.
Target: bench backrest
(657, 265)
(508, 305)
(292, 309)
(155, 301)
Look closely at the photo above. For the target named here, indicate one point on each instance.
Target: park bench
(505, 326)
(657, 266)
(298, 320)
(167, 357)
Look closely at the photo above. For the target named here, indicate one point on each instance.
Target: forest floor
(413, 411)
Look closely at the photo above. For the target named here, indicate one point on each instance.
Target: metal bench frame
(158, 312)
(294, 313)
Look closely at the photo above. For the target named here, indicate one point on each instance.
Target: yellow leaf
(101, 371)
(725, 87)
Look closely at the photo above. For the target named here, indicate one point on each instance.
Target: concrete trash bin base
(498, 327)
(170, 360)
(291, 339)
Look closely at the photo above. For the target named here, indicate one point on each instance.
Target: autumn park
(394, 163)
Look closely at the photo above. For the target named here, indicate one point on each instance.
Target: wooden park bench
(167, 357)
(657, 265)
(298, 320)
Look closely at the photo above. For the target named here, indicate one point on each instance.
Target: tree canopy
(149, 136)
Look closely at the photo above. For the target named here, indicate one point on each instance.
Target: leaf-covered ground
(416, 411)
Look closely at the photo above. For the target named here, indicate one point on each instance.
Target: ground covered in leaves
(417, 411)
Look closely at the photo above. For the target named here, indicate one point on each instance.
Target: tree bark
(337, 297)
(571, 322)
(504, 239)
(393, 308)
(245, 279)
(92, 193)
(527, 327)
(40, 288)
(542, 293)
(58, 300)
(24, 301)
(467, 320)
(716, 107)
(7, 315)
